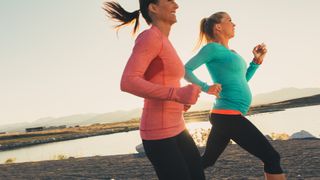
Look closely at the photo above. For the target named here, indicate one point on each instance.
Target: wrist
(205, 87)
(257, 60)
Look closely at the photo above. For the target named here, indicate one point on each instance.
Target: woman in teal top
(227, 68)
(230, 75)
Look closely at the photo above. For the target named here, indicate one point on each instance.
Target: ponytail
(117, 13)
(206, 28)
(202, 34)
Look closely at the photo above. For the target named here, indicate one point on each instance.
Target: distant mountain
(117, 116)
(73, 120)
(86, 119)
(283, 94)
(16, 127)
(266, 98)
(66, 120)
(302, 135)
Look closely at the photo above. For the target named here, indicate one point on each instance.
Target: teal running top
(227, 68)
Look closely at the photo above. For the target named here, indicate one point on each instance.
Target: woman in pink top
(153, 72)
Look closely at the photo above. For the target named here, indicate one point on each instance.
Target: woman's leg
(217, 141)
(166, 158)
(246, 135)
(191, 155)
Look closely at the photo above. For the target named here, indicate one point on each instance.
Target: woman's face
(165, 11)
(227, 26)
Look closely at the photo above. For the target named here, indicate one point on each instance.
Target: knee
(272, 164)
(274, 157)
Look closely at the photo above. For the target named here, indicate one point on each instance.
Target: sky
(59, 58)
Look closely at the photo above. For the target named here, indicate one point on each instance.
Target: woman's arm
(259, 53)
(251, 70)
(203, 56)
(147, 47)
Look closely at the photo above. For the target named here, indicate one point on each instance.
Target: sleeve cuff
(254, 64)
(205, 87)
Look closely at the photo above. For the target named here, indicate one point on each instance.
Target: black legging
(246, 135)
(175, 158)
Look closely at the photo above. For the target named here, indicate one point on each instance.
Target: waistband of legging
(226, 111)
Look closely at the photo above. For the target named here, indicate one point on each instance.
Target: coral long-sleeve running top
(152, 70)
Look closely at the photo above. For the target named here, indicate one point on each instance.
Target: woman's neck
(163, 27)
(223, 41)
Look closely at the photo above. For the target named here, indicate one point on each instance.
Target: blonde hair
(206, 31)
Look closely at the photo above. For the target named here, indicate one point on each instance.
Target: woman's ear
(217, 27)
(152, 8)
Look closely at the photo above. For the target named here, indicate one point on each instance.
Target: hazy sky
(61, 57)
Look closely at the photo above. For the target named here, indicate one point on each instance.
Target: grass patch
(10, 160)
(60, 157)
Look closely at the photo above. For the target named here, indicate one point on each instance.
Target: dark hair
(116, 12)
(206, 30)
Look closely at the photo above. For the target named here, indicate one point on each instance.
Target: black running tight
(175, 158)
(246, 135)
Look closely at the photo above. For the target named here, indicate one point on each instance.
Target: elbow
(187, 77)
(124, 85)
(187, 74)
(130, 85)
(127, 85)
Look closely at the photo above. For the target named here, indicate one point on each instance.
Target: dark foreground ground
(300, 160)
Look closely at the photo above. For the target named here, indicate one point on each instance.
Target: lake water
(289, 121)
